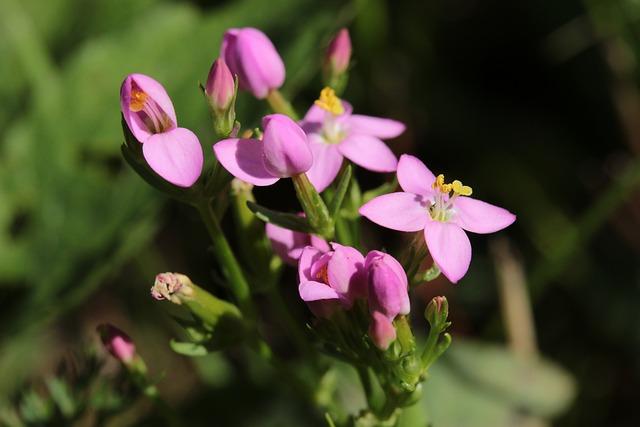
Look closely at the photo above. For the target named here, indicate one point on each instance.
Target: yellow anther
(330, 102)
(138, 99)
(456, 186)
(463, 190)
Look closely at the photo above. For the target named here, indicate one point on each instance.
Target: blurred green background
(534, 104)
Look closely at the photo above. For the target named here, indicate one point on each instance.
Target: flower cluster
(360, 301)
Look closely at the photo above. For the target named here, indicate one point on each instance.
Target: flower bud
(437, 312)
(173, 287)
(339, 52)
(286, 149)
(117, 343)
(388, 285)
(381, 330)
(220, 88)
(179, 289)
(253, 58)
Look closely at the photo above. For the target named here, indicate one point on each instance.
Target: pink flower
(220, 86)
(339, 52)
(252, 57)
(442, 210)
(282, 153)
(381, 330)
(335, 133)
(331, 280)
(117, 343)
(288, 244)
(388, 285)
(172, 152)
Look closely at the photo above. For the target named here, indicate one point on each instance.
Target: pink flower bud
(388, 285)
(253, 58)
(286, 150)
(339, 52)
(220, 86)
(381, 330)
(117, 343)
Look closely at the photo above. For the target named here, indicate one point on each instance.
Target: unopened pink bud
(220, 86)
(286, 149)
(254, 59)
(381, 330)
(117, 343)
(339, 52)
(388, 285)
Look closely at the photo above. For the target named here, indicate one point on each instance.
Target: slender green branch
(280, 104)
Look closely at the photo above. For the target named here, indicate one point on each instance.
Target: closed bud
(254, 59)
(286, 149)
(179, 289)
(220, 88)
(117, 343)
(437, 312)
(388, 285)
(381, 330)
(336, 61)
(339, 52)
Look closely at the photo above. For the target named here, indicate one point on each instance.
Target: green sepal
(190, 349)
(284, 220)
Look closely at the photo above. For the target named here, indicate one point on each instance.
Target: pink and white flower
(335, 133)
(443, 211)
(172, 152)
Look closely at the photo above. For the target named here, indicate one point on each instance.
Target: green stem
(314, 207)
(280, 104)
(230, 266)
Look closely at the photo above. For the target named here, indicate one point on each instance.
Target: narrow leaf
(285, 220)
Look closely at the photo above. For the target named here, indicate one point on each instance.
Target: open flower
(282, 153)
(444, 211)
(172, 152)
(335, 133)
(331, 280)
(252, 57)
(288, 244)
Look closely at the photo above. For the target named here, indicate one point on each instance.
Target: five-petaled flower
(282, 153)
(335, 133)
(172, 152)
(444, 211)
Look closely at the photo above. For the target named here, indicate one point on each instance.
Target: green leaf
(285, 220)
(188, 348)
(61, 395)
(341, 190)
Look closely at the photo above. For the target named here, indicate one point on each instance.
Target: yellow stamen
(330, 102)
(456, 186)
(138, 99)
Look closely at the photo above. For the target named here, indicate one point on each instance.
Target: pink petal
(261, 64)
(156, 92)
(318, 115)
(285, 147)
(314, 291)
(308, 258)
(243, 159)
(319, 243)
(327, 161)
(414, 177)
(450, 248)
(175, 155)
(375, 126)
(480, 217)
(381, 330)
(368, 152)
(287, 244)
(397, 211)
(344, 270)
